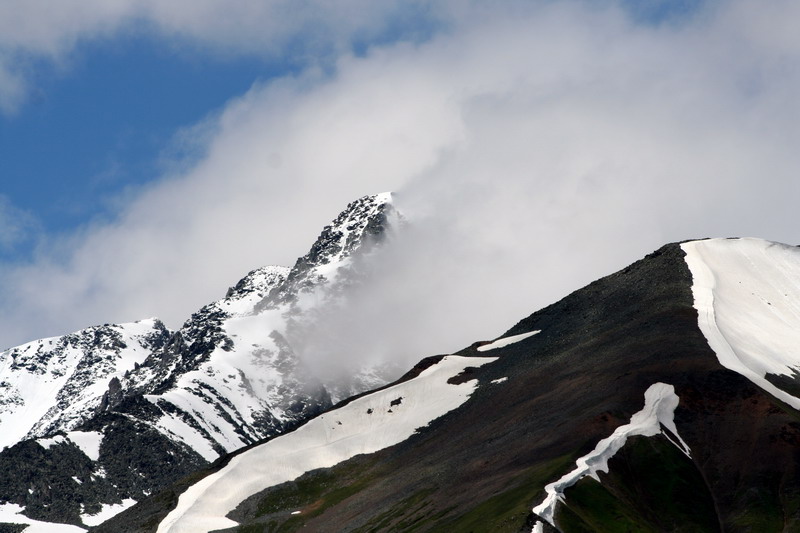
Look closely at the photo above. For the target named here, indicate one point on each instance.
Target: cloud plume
(534, 147)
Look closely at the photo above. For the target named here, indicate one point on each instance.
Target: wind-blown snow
(500, 343)
(365, 425)
(107, 511)
(9, 514)
(660, 402)
(747, 296)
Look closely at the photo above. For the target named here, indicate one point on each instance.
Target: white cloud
(12, 88)
(304, 32)
(538, 148)
(16, 225)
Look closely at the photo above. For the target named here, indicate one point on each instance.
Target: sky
(153, 153)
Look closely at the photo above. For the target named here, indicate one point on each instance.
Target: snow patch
(88, 442)
(49, 443)
(177, 430)
(499, 380)
(660, 402)
(363, 426)
(500, 343)
(538, 527)
(12, 514)
(107, 511)
(747, 296)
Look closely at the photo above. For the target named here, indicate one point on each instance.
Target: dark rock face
(484, 466)
(137, 459)
(57, 482)
(31, 475)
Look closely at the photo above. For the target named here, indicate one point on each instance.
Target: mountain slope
(229, 377)
(612, 368)
(746, 293)
(56, 384)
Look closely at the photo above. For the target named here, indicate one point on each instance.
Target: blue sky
(152, 153)
(103, 123)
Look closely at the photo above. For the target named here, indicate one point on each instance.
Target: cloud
(534, 148)
(12, 89)
(308, 32)
(580, 141)
(16, 225)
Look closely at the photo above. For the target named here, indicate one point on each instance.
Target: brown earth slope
(483, 466)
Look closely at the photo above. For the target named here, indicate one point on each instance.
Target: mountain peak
(363, 223)
(251, 289)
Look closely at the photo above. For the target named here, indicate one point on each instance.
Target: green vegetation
(651, 487)
(760, 510)
(312, 493)
(317, 491)
(407, 515)
(592, 508)
(508, 510)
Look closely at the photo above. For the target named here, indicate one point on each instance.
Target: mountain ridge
(548, 400)
(611, 408)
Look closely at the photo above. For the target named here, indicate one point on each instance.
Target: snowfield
(88, 442)
(10, 514)
(747, 296)
(366, 425)
(500, 343)
(660, 402)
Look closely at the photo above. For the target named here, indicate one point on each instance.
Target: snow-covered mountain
(660, 398)
(55, 384)
(112, 413)
(664, 397)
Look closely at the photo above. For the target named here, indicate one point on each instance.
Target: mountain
(56, 384)
(94, 421)
(663, 397)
